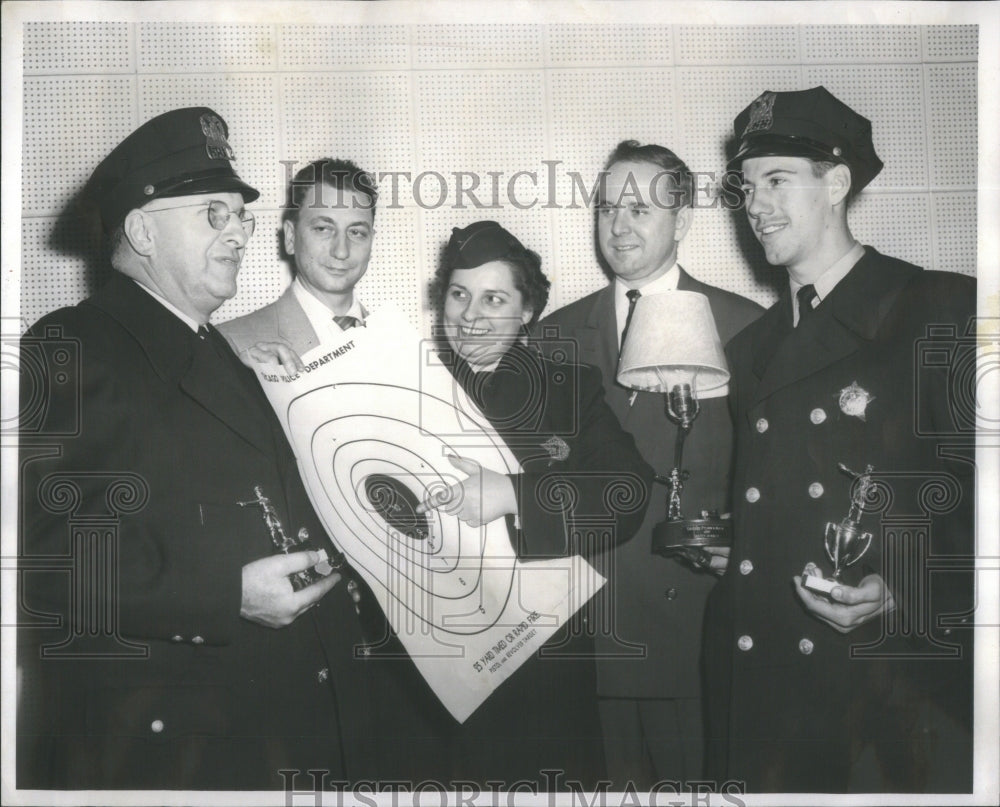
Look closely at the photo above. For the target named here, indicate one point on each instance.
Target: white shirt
(194, 325)
(321, 317)
(826, 282)
(665, 282)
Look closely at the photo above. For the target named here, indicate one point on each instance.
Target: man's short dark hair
(669, 163)
(344, 175)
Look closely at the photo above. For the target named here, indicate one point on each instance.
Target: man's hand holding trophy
(841, 606)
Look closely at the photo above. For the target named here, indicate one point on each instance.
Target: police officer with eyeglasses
(172, 650)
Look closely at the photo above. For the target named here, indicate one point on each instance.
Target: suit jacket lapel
(687, 283)
(292, 323)
(805, 350)
(599, 347)
(226, 389)
(848, 318)
(596, 338)
(176, 356)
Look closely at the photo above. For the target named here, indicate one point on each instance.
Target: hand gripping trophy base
(672, 536)
(300, 543)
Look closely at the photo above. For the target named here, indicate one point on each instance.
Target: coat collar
(849, 318)
(167, 341)
(687, 283)
(219, 385)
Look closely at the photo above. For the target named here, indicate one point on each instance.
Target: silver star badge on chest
(854, 400)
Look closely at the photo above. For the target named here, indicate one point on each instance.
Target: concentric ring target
(374, 452)
(397, 505)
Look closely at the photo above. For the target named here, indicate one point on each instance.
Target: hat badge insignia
(557, 448)
(216, 145)
(854, 400)
(761, 113)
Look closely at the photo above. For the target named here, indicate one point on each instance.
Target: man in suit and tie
(169, 648)
(648, 675)
(865, 685)
(328, 231)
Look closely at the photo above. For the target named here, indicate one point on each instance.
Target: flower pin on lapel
(854, 400)
(557, 448)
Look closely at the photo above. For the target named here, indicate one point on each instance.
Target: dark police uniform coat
(164, 433)
(583, 485)
(858, 382)
(657, 603)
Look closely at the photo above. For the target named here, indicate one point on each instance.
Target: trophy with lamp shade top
(672, 346)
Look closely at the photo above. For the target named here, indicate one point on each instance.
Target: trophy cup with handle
(845, 542)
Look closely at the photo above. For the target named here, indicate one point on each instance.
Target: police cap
(179, 153)
(807, 123)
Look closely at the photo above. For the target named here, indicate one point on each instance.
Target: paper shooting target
(378, 450)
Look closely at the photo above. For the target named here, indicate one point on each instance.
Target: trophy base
(674, 535)
(323, 568)
(819, 585)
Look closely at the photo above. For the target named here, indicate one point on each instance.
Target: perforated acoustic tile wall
(435, 108)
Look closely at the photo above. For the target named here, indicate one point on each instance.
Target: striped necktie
(346, 322)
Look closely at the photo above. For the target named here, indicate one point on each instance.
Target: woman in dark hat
(552, 415)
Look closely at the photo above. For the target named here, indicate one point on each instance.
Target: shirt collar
(193, 324)
(319, 316)
(827, 281)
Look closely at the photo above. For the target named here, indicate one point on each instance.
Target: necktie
(806, 295)
(346, 322)
(633, 295)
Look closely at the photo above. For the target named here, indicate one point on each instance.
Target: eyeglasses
(218, 215)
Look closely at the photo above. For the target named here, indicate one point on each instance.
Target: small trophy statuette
(845, 543)
(678, 535)
(283, 543)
